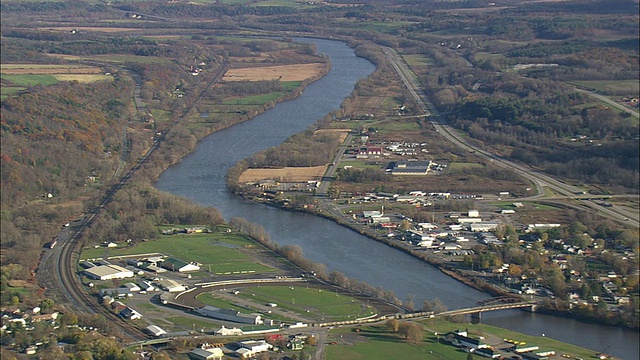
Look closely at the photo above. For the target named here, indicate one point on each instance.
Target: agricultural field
(297, 72)
(17, 77)
(289, 174)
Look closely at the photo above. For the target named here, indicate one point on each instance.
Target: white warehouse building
(108, 272)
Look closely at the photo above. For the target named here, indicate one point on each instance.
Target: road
(608, 101)
(539, 179)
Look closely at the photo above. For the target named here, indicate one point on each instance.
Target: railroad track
(57, 269)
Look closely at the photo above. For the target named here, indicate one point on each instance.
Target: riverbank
(451, 269)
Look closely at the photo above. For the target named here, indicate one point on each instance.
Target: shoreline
(449, 270)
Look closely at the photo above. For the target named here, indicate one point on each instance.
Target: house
(295, 344)
(174, 264)
(368, 151)
(201, 353)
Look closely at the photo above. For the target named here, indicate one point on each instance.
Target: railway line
(57, 269)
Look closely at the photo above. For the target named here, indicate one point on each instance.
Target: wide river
(200, 176)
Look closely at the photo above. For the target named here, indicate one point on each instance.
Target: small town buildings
(410, 168)
(174, 264)
(259, 329)
(295, 344)
(488, 352)
(108, 272)
(171, 285)
(473, 213)
(230, 315)
(524, 348)
(469, 220)
(129, 313)
(224, 331)
(483, 226)
(206, 353)
(115, 293)
(250, 348)
(460, 338)
(146, 286)
(532, 356)
(131, 287)
(155, 330)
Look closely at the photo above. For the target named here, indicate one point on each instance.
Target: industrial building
(108, 272)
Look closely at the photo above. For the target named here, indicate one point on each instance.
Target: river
(200, 176)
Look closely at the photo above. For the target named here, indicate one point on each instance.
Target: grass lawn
(397, 125)
(30, 80)
(418, 60)
(210, 299)
(379, 343)
(7, 91)
(488, 56)
(376, 342)
(191, 323)
(220, 252)
(299, 299)
(83, 78)
(256, 99)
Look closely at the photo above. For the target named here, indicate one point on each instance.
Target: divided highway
(539, 179)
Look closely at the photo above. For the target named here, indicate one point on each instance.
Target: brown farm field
(91, 28)
(289, 174)
(39, 69)
(298, 72)
(342, 133)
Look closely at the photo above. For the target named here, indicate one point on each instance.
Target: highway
(538, 179)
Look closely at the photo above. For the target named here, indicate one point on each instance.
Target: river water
(200, 176)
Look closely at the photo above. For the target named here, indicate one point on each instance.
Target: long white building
(108, 272)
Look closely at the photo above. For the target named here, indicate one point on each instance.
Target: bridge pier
(476, 317)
